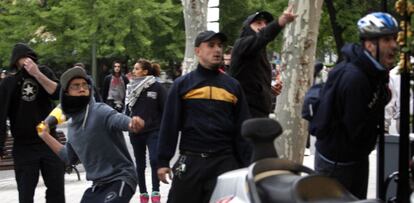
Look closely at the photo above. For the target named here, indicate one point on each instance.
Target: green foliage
(62, 31)
(234, 12)
(348, 12)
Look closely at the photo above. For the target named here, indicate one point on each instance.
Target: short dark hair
(113, 63)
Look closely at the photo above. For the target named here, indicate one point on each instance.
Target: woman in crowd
(146, 98)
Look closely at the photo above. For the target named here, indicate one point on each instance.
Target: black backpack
(322, 93)
(321, 122)
(311, 101)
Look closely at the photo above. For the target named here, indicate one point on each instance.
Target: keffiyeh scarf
(135, 87)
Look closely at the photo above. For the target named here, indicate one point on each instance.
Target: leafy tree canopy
(234, 12)
(62, 31)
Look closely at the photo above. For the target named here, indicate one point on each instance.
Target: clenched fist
(136, 124)
(277, 88)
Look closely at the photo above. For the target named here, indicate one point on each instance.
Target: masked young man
(95, 137)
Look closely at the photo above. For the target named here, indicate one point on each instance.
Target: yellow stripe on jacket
(210, 92)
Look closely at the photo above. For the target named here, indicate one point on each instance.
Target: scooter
(272, 180)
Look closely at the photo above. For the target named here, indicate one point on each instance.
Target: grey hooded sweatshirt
(95, 137)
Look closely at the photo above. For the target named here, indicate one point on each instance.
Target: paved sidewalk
(74, 188)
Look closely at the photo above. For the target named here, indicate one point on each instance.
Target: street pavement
(74, 189)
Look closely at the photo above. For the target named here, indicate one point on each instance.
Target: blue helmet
(377, 24)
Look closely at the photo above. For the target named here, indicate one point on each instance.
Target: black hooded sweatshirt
(24, 101)
(250, 66)
(349, 115)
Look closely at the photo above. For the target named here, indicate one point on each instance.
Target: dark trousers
(257, 114)
(29, 160)
(352, 175)
(196, 183)
(139, 143)
(113, 192)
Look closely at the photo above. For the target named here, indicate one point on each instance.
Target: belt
(335, 162)
(206, 154)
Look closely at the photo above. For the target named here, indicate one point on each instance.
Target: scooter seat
(315, 188)
(322, 189)
(277, 188)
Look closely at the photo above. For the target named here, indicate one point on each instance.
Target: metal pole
(403, 190)
(381, 192)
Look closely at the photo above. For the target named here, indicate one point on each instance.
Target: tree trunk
(298, 56)
(195, 19)
(336, 28)
(94, 65)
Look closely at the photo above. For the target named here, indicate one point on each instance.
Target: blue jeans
(140, 142)
(352, 175)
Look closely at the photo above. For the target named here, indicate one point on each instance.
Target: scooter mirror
(261, 129)
(262, 132)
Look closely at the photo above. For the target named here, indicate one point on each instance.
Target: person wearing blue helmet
(350, 115)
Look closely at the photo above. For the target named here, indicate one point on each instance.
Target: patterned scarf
(135, 87)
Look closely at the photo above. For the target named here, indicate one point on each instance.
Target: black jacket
(25, 103)
(208, 107)
(351, 107)
(250, 66)
(150, 107)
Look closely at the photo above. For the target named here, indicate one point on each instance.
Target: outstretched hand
(287, 16)
(136, 124)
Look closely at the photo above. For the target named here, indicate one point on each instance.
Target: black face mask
(74, 104)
